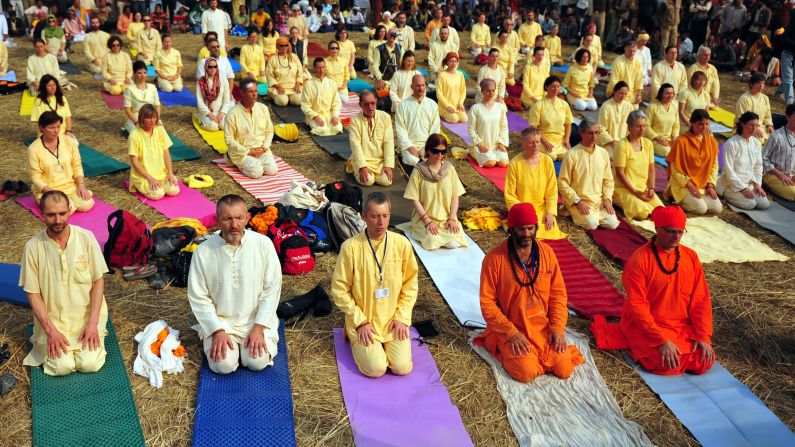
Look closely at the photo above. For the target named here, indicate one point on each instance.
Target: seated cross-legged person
(778, 159)
(580, 81)
(248, 132)
(137, 94)
(552, 117)
(151, 173)
(693, 168)
(95, 46)
(667, 316)
(39, 64)
(212, 97)
(451, 91)
(337, 69)
(663, 120)
(116, 68)
(613, 117)
(692, 98)
(55, 38)
(55, 164)
(147, 42)
(400, 85)
(372, 144)
(586, 182)
(755, 100)
(434, 188)
(416, 117)
(634, 172)
(536, 72)
(488, 128)
(492, 70)
(233, 289)
(252, 58)
(51, 98)
(523, 299)
(741, 181)
(285, 75)
(320, 102)
(168, 66)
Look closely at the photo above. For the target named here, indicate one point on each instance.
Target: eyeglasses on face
(212, 66)
(147, 20)
(283, 46)
(438, 151)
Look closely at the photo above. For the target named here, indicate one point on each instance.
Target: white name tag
(382, 293)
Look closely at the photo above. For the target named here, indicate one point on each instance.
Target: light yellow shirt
(663, 73)
(596, 55)
(550, 116)
(54, 44)
(300, 23)
(553, 48)
(150, 150)
(168, 63)
(3, 58)
(148, 42)
(372, 48)
(414, 121)
(405, 39)
(116, 66)
(347, 51)
(338, 71)
(371, 147)
(497, 75)
(54, 172)
(488, 125)
(579, 80)
(713, 81)
(252, 59)
(136, 98)
(375, 69)
(204, 53)
(244, 131)
(64, 279)
(95, 45)
(40, 66)
(692, 101)
(435, 198)
(661, 122)
(507, 60)
(536, 185)
(533, 81)
(400, 86)
(585, 175)
(132, 30)
(480, 35)
(356, 278)
(320, 98)
(268, 43)
(285, 71)
(437, 53)
(528, 33)
(613, 121)
(514, 42)
(629, 71)
(759, 104)
(40, 107)
(636, 164)
(451, 90)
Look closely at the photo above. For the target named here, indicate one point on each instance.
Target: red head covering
(522, 214)
(669, 216)
(448, 56)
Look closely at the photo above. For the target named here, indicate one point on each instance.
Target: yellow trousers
(373, 360)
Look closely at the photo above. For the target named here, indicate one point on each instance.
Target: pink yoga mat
(660, 178)
(188, 203)
(495, 175)
(113, 102)
(620, 243)
(410, 410)
(95, 220)
(268, 188)
(350, 107)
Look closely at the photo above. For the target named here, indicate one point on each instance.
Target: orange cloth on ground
(661, 307)
(694, 158)
(509, 308)
(161, 337)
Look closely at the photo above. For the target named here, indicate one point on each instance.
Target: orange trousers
(691, 363)
(525, 368)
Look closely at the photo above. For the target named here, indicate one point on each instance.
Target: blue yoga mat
(150, 71)
(183, 98)
(246, 408)
(561, 68)
(11, 76)
(719, 410)
(262, 89)
(358, 86)
(9, 285)
(660, 161)
(235, 65)
(423, 71)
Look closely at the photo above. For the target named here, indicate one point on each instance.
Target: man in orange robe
(523, 300)
(667, 317)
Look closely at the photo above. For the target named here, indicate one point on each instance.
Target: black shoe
(22, 187)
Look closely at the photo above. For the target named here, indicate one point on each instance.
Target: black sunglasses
(438, 151)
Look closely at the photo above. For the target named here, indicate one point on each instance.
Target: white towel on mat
(149, 365)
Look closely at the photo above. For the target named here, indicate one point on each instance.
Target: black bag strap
(114, 231)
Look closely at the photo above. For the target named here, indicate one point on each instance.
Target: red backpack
(292, 246)
(129, 240)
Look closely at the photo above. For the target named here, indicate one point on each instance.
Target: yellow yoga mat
(214, 139)
(722, 116)
(26, 106)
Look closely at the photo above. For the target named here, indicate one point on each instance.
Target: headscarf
(210, 94)
(55, 32)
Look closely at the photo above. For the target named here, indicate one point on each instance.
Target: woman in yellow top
(580, 82)
(692, 98)
(285, 75)
(378, 38)
(168, 66)
(51, 98)
(451, 91)
(596, 55)
(138, 94)
(55, 164)
(147, 146)
(613, 117)
(434, 188)
(663, 120)
(136, 25)
(347, 50)
(754, 100)
(337, 69)
(553, 46)
(633, 171)
(480, 36)
(552, 117)
(116, 68)
(507, 59)
(531, 178)
(252, 58)
(593, 42)
(268, 38)
(535, 73)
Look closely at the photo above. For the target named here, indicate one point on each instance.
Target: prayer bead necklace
(659, 261)
(533, 267)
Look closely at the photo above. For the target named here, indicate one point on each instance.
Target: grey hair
(587, 124)
(634, 116)
(702, 49)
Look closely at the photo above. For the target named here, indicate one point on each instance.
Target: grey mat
(401, 208)
(337, 145)
(777, 219)
(289, 114)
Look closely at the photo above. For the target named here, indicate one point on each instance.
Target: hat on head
(642, 36)
(448, 56)
(296, 7)
(282, 41)
(522, 214)
(669, 216)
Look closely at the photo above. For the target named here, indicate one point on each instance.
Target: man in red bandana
(667, 317)
(523, 300)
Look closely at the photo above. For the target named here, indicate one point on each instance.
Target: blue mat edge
(10, 291)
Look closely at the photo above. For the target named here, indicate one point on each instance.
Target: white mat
(709, 237)
(578, 411)
(776, 219)
(456, 274)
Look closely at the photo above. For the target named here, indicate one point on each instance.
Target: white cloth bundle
(149, 365)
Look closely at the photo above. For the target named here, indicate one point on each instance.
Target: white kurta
(488, 126)
(497, 75)
(742, 164)
(217, 21)
(400, 86)
(222, 104)
(414, 121)
(40, 66)
(234, 287)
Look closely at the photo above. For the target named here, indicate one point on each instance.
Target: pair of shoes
(12, 188)
(141, 272)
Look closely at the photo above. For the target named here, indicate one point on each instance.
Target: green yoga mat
(96, 163)
(179, 151)
(86, 409)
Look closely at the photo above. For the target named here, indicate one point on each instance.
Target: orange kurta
(661, 307)
(509, 308)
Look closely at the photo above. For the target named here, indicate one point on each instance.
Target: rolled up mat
(350, 107)
(289, 114)
(718, 409)
(86, 409)
(776, 219)
(401, 208)
(722, 116)
(95, 221)
(660, 161)
(26, 103)
(589, 291)
(114, 102)
(620, 243)
(96, 163)
(410, 410)
(69, 68)
(185, 98)
(10, 290)
(359, 85)
(150, 71)
(179, 151)
(214, 139)
(268, 188)
(456, 273)
(246, 408)
(262, 89)
(188, 203)
(338, 145)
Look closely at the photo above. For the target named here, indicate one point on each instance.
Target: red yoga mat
(620, 243)
(113, 102)
(495, 175)
(588, 290)
(314, 49)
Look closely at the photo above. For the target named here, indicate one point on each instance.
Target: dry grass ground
(754, 308)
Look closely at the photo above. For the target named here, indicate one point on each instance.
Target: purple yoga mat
(95, 220)
(411, 410)
(460, 129)
(188, 203)
(516, 123)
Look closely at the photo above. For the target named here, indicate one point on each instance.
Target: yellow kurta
(497, 75)
(320, 98)
(507, 60)
(759, 104)
(285, 71)
(148, 43)
(663, 73)
(338, 71)
(613, 121)
(585, 175)
(252, 60)
(533, 82)
(132, 31)
(480, 35)
(54, 44)
(451, 90)
(116, 66)
(536, 185)
(169, 62)
(347, 50)
(64, 279)
(596, 55)
(713, 81)
(636, 170)
(95, 45)
(662, 123)
(435, 198)
(268, 44)
(629, 71)
(47, 170)
(553, 48)
(300, 23)
(244, 131)
(3, 58)
(356, 279)
(528, 33)
(40, 66)
(371, 148)
(437, 53)
(136, 98)
(579, 80)
(550, 116)
(692, 101)
(204, 53)
(40, 107)
(150, 150)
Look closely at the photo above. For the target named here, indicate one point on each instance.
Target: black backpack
(180, 266)
(344, 193)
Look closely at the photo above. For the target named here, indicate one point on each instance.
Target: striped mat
(269, 188)
(350, 108)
